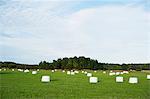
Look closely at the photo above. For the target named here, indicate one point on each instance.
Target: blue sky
(114, 31)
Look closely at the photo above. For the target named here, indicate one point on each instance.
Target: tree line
(76, 63)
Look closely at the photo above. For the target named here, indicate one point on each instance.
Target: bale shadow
(54, 79)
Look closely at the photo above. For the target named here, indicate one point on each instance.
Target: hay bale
(125, 72)
(0, 69)
(112, 73)
(95, 71)
(133, 80)
(93, 79)
(26, 71)
(85, 72)
(63, 71)
(117, 73)
(89, 74)
(38, 69)
(72, 73)
(82, 71)
(13, 69)
(119, 79)
(104, 72)
(34, 72)
(45, 79)
(76, 72)
(148, 77)
(53, 71)
(68, 72)
(21, 70)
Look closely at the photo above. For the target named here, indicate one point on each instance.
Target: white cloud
(108, 33)
(117, 33)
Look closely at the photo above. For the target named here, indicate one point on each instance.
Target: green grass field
(20, 85)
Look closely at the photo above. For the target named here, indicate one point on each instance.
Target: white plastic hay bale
(104, 72)
(63, 71)
(111, 74)
(21, 70)
(45, 79)
(117, 73)
(148, 77)
(4, 69)
(133, 80)
(85, 72)
(38, 69)
(53, 71)
(119, 79)
(89, 74)
(0, 69)
(76, 72)
(26, 71)
(34, 72)
(13, 69)
(125, 72)
(121, 72)
(93, 79)
(95, 71)
(111, 71)
(72, 73)
(68, 72)
(82, 71)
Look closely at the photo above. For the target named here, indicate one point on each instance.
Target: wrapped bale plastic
(85, 72)
(26, 71)
(89, 74)
(148, 77)
(68, 72)
(125, 72)
(72, 73)
(53, 71)
(63, 71)
(34, 72)
(93, 79)
(76, 72)
(119, 79)
(133, 80)
(45, 79)
(117, 73)
(112, 73)
(104, 72)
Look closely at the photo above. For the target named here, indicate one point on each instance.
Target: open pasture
(21, 85)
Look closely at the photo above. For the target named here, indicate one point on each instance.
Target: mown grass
(19, 85)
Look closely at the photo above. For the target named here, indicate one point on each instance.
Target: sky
(111, 31)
